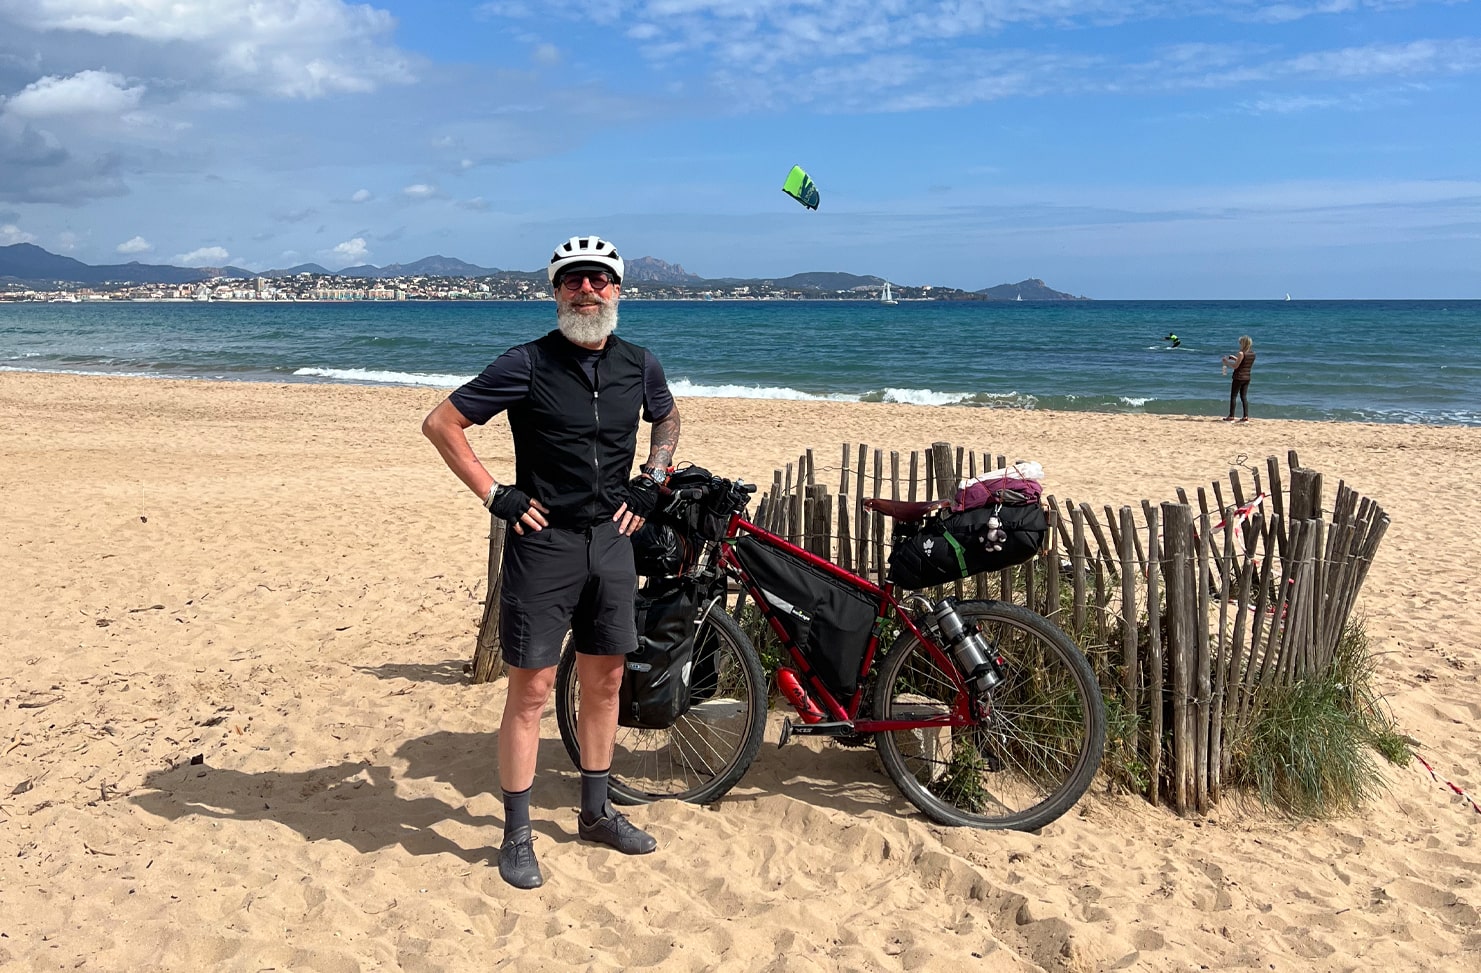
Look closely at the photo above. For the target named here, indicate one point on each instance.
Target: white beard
(587, 329)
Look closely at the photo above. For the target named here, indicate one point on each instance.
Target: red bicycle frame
(844, 716)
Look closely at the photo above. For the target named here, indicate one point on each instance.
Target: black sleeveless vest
(574, 443)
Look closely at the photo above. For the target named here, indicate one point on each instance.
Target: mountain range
(26, 263)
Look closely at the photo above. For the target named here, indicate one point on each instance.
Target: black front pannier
(655, 680)
(947, 548)
(660, 550)
(828, 619)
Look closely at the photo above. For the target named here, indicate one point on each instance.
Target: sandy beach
(284, 582)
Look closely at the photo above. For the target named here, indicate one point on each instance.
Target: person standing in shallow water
(1242, 363)
(574, 399)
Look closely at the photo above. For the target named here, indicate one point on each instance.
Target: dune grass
(1312, 747)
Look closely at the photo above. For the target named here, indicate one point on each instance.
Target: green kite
(800, 187)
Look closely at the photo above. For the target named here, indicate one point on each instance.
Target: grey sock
(594, 793)
(516, 810)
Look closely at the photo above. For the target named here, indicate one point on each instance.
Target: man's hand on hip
(642, 499)
(512, 504)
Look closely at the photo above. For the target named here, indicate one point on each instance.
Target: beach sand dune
(236, 731)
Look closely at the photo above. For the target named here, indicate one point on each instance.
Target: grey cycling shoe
(616, 831)
(517, 864)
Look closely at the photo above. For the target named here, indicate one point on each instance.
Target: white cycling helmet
(590, 251)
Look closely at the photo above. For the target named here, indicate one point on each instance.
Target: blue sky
(1139, 149)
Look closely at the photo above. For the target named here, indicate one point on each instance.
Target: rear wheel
(709, 748)
(1038, 746)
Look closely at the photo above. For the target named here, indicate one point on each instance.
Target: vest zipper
(596, 446)
(596, 413)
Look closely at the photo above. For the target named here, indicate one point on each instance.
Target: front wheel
(1038, 745)
(708, 749)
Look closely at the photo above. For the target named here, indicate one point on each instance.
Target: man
(573, 399)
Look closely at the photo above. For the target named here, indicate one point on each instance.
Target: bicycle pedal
(786, 733)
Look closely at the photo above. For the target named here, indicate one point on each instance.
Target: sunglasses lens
(599, 279)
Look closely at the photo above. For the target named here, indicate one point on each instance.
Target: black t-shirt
(506, 381)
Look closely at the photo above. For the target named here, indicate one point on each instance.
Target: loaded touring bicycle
(985, 714)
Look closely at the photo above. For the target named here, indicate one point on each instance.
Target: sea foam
(377, 377)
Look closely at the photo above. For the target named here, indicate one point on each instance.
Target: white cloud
(135, 244)
(66, 241)
(871, 56)
(87, 92)
(352, 251)
(1281, 13)
(11, 234)
(511, 9)
(362, 196)
(293, 48)
(205, 256)
(420, 190)
(547, 54)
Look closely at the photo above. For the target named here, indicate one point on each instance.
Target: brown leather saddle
(906, 510)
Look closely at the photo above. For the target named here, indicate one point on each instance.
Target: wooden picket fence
(1189, 614)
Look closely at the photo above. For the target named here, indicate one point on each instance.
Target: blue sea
(1370, 361)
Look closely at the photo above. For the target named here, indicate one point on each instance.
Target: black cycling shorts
(557, 581)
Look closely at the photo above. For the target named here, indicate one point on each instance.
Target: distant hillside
(829, 281)
(820, 280)
(29, 263)
(1032, 289)
(295, 271)
(659, 272)
(438, 266)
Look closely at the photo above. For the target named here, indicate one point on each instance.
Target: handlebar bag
(669, 541)
(655, 679)
(947, 548)
(703, 519)
(828, 619)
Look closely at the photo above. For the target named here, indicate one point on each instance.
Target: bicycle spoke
(707, 749)
(1036, 746)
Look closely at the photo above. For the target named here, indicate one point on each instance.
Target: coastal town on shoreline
(503, 287)
(29, 274)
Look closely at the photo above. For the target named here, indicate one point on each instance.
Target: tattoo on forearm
(665, 440)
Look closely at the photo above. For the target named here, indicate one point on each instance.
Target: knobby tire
(1033, 756)
(708, 749)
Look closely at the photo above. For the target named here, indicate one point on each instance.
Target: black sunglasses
(571, 280)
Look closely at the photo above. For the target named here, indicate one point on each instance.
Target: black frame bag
(948, 548)
(655, 679)
(830, 620)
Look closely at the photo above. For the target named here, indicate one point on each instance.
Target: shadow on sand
(359, 802)
(450, 672)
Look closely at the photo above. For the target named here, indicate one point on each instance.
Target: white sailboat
(884, 295)
(1288, 297)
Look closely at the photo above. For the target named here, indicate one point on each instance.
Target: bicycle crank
(834, 729)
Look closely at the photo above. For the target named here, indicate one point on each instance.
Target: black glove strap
(642, 495)
(508, 503)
